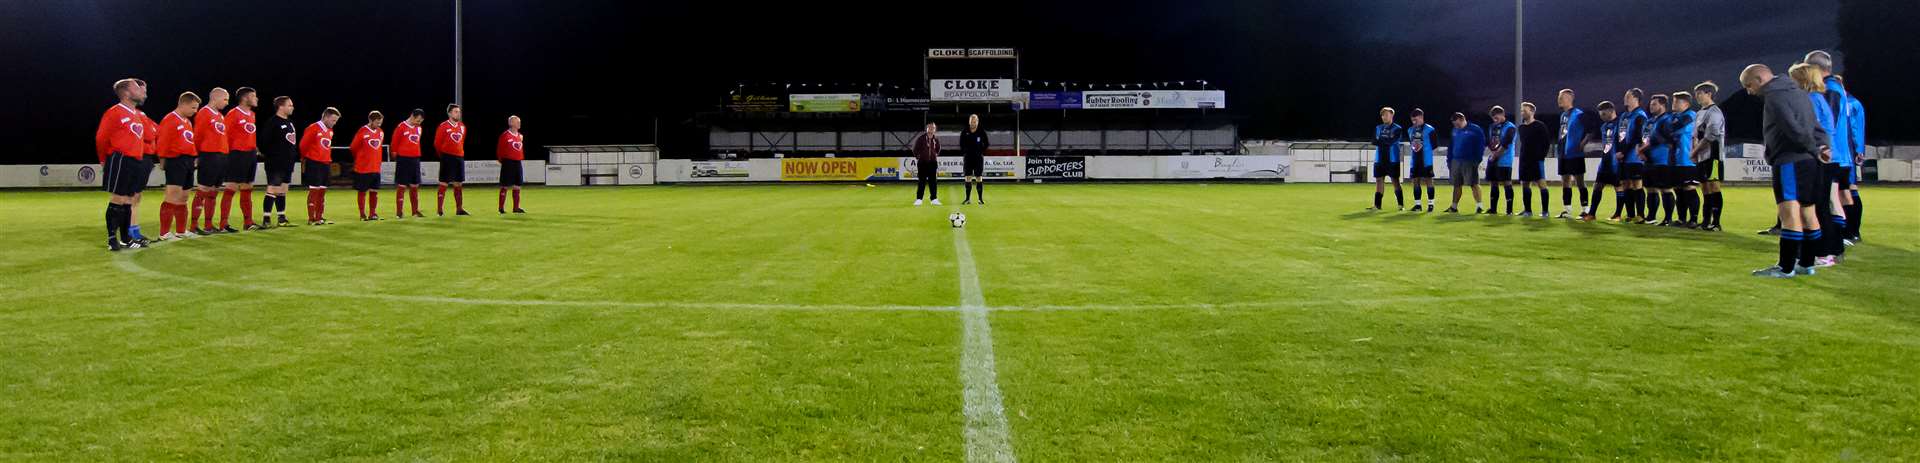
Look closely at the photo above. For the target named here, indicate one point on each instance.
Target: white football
(959, 220)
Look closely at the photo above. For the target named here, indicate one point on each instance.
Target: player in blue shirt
(1609, 174)
(1463, 160)
(1500, 150)
(1386, 159)
(1658, 151)
(1575, 135)
(1420, 140)
(1633, 161)
(1857, 113)
(1680, 130)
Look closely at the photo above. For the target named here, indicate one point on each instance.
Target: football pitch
(1066, 322)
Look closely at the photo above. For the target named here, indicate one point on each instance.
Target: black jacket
(279, 138)
(1534, 141)
(973, 144)
(1787, 124)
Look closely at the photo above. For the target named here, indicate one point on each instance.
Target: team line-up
(214, 156)
(1659, 159)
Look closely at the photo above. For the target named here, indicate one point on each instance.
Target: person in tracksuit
(1386, 159)
(1795, 146)
(926, 156)
(1535, 142)
(1501, 135)
(1463, 160)
(1420, 165)
(973, 160)
(1633, 161)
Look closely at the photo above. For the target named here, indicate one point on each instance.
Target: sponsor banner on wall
(1154, 99)
(1223, 166)
(70, 175)
(971, 89)
(972, 53)
(953, 167)
(718, 171)
(1053, 100)
(907, 104)
(756, 103)
(823, 102)
(839, 169)
(1057, 167)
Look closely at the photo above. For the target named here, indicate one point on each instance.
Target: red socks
(441, 199)
(503, 199)
(459, 198)
(246, 206)
(226, 206)
(413, 196)
(360, 197)
(516, 199)
(399, 199)
(193, 217)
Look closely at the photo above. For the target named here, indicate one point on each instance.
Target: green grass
(1161, 322)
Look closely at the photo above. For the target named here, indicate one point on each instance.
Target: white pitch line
(126, 263)
(988, 439)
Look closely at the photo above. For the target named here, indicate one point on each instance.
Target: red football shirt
(150, 137)
(366, 150)
(406, 140)
(451, 139)
(211, 128)
(176, 137)
(512, 146)
(317, 143)
(121, 131)
(241, 121)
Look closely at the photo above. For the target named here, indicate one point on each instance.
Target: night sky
(607, 72)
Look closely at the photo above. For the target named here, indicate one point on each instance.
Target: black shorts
(1499, 174)
(1386, 169)
(973, 166)
(1573, 166)
(315, 174)
(1798, 181)
(1633, 171)
(512, 174)
(213, 169)
(1686, 175)
(279, 170)
(1608, 173)
(453, 169)
(366, 181)
(1657, 175)
(1840, 175)
(406, 170)
(1532, 171)
(1712, 170)
(240, 166)
(125, 175)
(179, 171)
(1420, 171)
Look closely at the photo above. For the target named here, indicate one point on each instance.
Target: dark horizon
(589, 72)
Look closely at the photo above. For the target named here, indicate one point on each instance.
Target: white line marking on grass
(987, 436)
(126, 263)
(1342, 301)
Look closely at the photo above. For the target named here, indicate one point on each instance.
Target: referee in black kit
(973, 151)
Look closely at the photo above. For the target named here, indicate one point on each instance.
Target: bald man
(1795, 145)
(210, 138)
(510, 151)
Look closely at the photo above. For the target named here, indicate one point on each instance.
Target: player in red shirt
(210, 137)
(366, 166)
(406, 162)
(150, 149)
(511, 150)
(176, 152)
(119, 142)
(316, 154)
(242, 155)
(450, 141)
